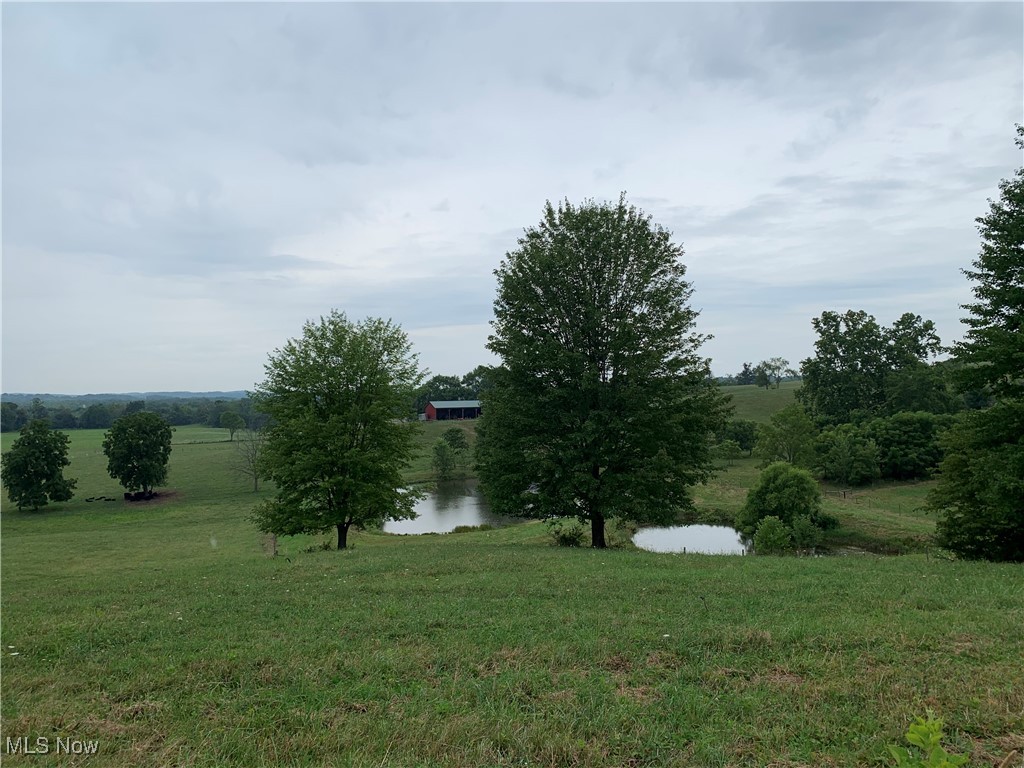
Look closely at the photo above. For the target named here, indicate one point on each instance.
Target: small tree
(138, 448)
(338, 441)
(789, 436)
(33, 469)
(232, 422)
(249, 455)
(444, 460)
(456, 438)
(773, 537)
(783, 491)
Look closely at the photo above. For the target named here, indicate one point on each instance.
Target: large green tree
(980, 495)
(857, 362)
(339, 400)
(33, 469)
(602, 405)
(138, 447)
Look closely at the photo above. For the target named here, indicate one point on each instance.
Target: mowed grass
(163, 631)
(758, 404)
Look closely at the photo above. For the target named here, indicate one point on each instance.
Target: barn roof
(455, 403)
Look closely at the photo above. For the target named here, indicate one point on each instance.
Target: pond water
(706, 539)
(452, 504)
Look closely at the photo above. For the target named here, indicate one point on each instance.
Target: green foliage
(980, 496)
(232, 422)
(782, 491)
(337, 443)
(909, 444)
(33, 469)
(728, 451)
(444, 460)
(926, 735)
(456, 438)
(806, 534)
(992, 352)
(566, 531)
(12, 417)
(855, 357)
(772, 537)
(742, 431)
(137, 448)
(788, 436)
(602, 406)
(846, 457)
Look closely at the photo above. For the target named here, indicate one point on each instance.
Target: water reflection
(706, 539)
(450, 505)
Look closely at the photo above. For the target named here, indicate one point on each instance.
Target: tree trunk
(597, 530)
(342, 535)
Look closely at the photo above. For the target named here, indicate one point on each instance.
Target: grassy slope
(759, 404)
(163, 631)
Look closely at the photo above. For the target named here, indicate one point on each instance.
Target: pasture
(163, 631)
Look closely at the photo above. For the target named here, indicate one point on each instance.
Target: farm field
(164, 632)
(758, 404)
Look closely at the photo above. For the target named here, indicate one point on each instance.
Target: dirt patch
(642, 694)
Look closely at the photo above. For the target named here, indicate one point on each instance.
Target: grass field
(164, 632)
(759, 404)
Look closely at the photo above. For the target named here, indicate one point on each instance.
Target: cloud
(185, 184)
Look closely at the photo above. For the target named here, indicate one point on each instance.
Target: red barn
(446, 410)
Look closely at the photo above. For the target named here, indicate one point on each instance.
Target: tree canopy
(138, 447)
(339, 398)
(980, 495)
(33, 469)
(602, 405)
(855, 361)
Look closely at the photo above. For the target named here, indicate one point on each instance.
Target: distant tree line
(102, 415)
(767, 373)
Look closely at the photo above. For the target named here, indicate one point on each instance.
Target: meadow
(164, 631)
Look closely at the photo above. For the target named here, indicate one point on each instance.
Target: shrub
(926, 736)
(772, 537)
(806, 535)
(444, 460)
(566, 531)
(782, 491)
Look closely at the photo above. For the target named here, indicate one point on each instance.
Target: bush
(567, 531)
(782, 491)
(772, 537)
(806, 535)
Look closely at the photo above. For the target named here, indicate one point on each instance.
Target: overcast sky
(185, 184)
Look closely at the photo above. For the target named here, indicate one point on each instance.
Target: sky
(185, 184)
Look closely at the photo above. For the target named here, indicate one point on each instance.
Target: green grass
(758, 404)
(162, 630)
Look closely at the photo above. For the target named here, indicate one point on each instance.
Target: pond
(706, 539)
(450, 505)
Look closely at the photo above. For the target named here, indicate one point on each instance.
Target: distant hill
(758, 404)
(23, 398)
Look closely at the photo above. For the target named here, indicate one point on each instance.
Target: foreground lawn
(165, 633)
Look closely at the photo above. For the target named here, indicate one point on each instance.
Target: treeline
(767, 373)
(872, 404)
(102, 415)
(83, 412)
